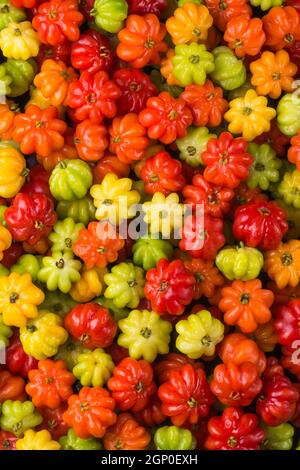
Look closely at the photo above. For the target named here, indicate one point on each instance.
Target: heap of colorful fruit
(160, 342)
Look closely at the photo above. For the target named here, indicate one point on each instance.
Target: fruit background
(187, 337)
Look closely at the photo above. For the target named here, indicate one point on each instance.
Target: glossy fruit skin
(240, 301)
(15, 164)
(18, 362)
(53, 81)
(134, 39)
(72, 442)
(63, 25)
(151, 415)
(9, 13)
(58, 303)
(166, 118)
(249, 115)
(238, 349)
(166, 69)
(69, 353)
(169, 287)
(269, 66)
(89, 285)
(240, 262)
(24, 3)
(91, 324)
(264, 169)
(163, 214)
(266, 4)
(162, 173)
(287, 187)
(21, 72)
(190, 23)
(208, 278)
(281, 25)
(207, 103)
(294, 55)
(39, 130)
(37, 181)
(19, 299)
(37, 441)
(5, 333)
(90, 140)
(59, 270)
(92, 52)
(93, 368)
(64, 234)
(11, 387)
(53, 421)
(286, 323)
(6, 81)
(199, 334)
(125, 285)
(245, 35)
(260, 224)
(144, 334)
(237, 161)
(277, 403)
(289, 361)
(5, 240)
(191, 63)
(113, 148)
(279, 437)
(17, 417)
(109, 15)
(136, 88)
(11, 255)
(140, 7)
(283, 264)
(57, 52)
(128, 139)
(42, 336)
(236, 385)
(148, 251)
(186, 396)
(68, 151)
(121, 197)
(132, 384)
(7, 114)
(104, 92)
(288, 113)
(215, 199)
(126, 434)
(109, 164)
(192, 241)
(294, 151)
(80, 210)
(19, 41)
(229, 72)
(223, 12)
(50, 384)
(172, 362)
(266, 337)
(7, 440)
(193, 145)
(95, 247)
(30, 217)
(173, 437)
(234, 430)
(70, 180)
(98, 406)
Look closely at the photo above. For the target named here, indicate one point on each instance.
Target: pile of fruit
(186, 336)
